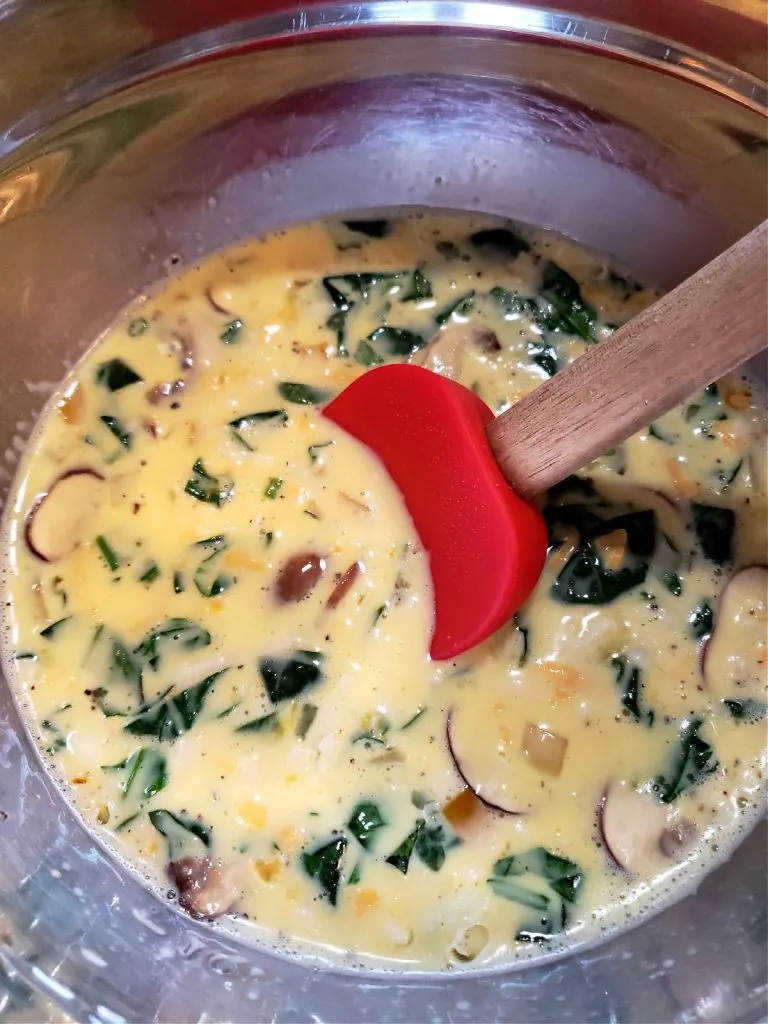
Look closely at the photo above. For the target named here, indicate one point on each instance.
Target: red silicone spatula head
(486, 545)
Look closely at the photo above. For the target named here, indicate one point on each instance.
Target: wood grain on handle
(710, 324)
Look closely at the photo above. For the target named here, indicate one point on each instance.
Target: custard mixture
(219, 611)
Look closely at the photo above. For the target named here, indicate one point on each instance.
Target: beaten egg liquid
(368, 803)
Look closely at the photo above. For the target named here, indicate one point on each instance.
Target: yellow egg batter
(220, 611)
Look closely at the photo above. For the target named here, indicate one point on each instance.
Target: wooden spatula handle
(710, 324)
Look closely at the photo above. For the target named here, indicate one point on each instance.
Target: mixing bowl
(131, 147)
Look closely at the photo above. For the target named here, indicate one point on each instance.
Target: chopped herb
(460, 307)
(701, 621)
(231, 332)
(366, 355)
(115, 427)
(401, 857)
(50, 631)
(365, 821)
(396, 341)
(413, 719)
(629, 679)
(508, 303)
(145, 773)
(585, 579)
(178, 583)
(323, 865)
(693, 762)
(108, 554)
(544, 356)
(714, 529)
(672, 582)
(575, 315)
(116, 375)
(418, 288)
(150, 574)
(307, 715)
(206, 580)
(188, 634)
(654, 431)
(169, 719)
(267, 723)
(180, 831)
(245, 428)
(302, 394)
(500, 242)
(285, 678)
(747, 709)
(137, 327)
(273, 487)
(206, 488)
(315, 448)
(371, 228)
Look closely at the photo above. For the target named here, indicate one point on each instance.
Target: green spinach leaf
(209, 489)
(323, 865)
(182, 833)
(209, 582)
(302, 394)
(146, 773)
(576, 316)
(116, 428)
(372, 228)
(418, 288)
(460, 306)
(169, 719)
(245, 429)
(401, 857)
(50, 631)
(231, 332)
(629, 679)
(701, 621)
(692, 762)
(115, 375)
(188, 634)
(395, 341)
(746, 709)
(287, 677)
(544, 356)
(365, 821)
(499, 242)
(714, 531)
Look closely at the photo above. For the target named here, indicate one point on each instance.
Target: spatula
(454, 461)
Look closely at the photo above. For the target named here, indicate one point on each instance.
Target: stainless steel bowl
(124, 155)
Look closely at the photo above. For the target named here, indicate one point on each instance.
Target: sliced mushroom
(633, 825)
(61, 519)
(206, 889)
(735, 662)
(343, 584)
(299, 576)
(484, 736)
(445, 352)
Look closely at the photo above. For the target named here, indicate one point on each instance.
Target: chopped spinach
(509, 304)
(544, 356)
(659, 435)
(315, 448)
(500, 242)
(575, 315)
(418, 288)
(460, 306)
(116, 428)
(704, 412)
(178, 583)
(375, 736)
(307, 716)
(137, 327)
(267, 723)
(561, 876)
(108, 553)
(287, 677)
(169, 719)
(366, 355)
(365, 821)
(401, 857)
(323, 865)
(231, 332)
(701, 621)
(413, 719)
(354, 877)
(714, 529)
(207, 581)
(725, 477)
(272, 489)
(116, 375)
(206, 488)
(180, 832)
(395, 341)
(245, 428)
(585, 579)
(672, 582)
(372, 228)
(746, 709)
(50, 631)
(629, 679)
(692, 762)
(55, 737)
(302, 394)
(146, 773)
(187, 633)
